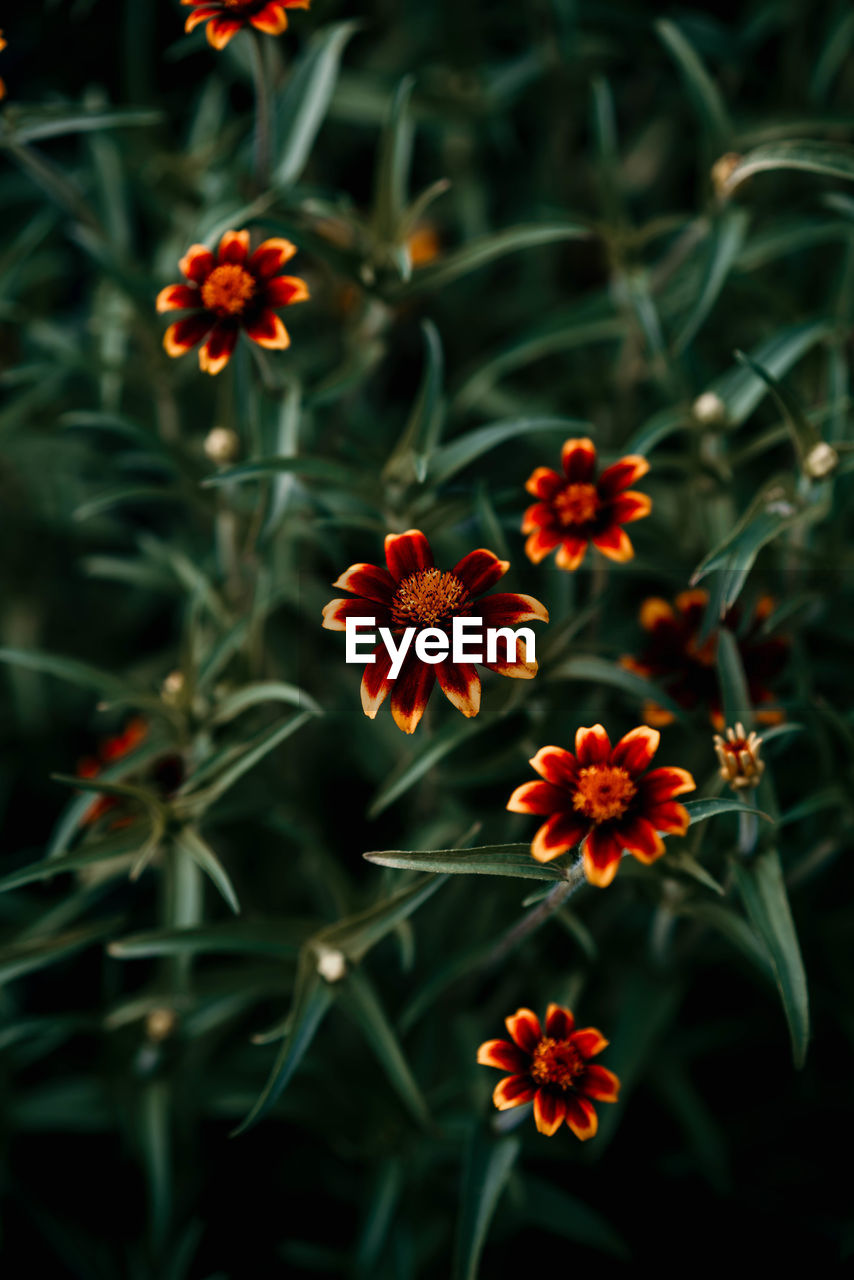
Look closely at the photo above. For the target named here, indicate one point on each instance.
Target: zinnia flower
(111, 749)
(412, 592)
(552, 1069)
(229, 292)
(739, 757)
(577, 508)
(602, 796)
(685, 666)
(226, 17)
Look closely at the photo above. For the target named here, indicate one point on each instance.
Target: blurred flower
(229, 292)
(3, 44)
(552, 1069)
(738, 755)
(685, 666)
(226, 17)
(576, 508)
(424, 245)
(412, 592)
(111, 749)
(598, 795)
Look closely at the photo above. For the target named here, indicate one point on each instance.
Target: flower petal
(183, 335)
(572, 552)
(502, 1054)
(369, 581)
(284, 291)
(622, 474)
(540, 543)
(178, 297)
(199, 15)
(336, 613)
(549, 1111)
(579, 460)
(640, 837)
(614, 543)
(272, 19)
(540, 515)
(406, 553)
(599, 1083)
(581, 1117)
(520, 670)
(655, 612)
(512, 1091)
(220, 31)
(602, 855)
(692, 604)
(269, 331)
(375, 682)
(635, 749)
(509, 608)
(233, 247)
(559, 1022)
(269, 258)
(562, 832)
(537, 797)
(460, 684)
(670, 817)
(592, 746)
(556, 766)
(215, 353)
(197, 263)
(524, 1028)
(589, 1041)
(480, 570)
(631, 506)
(411, 690)
(544, 483)
(665, 783)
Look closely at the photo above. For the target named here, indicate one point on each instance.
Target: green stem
(263, 113)
(553, 900)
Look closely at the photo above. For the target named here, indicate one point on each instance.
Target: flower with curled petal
(552, 1069)
(603, 796)
(411, 591)
(225, 18)
(229, 291)
(577, 508)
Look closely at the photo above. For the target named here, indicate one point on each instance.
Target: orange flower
(411, 592)
(424, 245)
(111, 749)
(226, 17)
(602, 796)
(686, 668)
(3, 44)
(552, 1069)
(229, 292)
(576, 508)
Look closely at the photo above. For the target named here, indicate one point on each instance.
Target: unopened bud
(821, 460)
(738, 756)
(709, 409)
(160, 1024)
(222, 445)
(722, 171)
(173, 686)
(331, 964)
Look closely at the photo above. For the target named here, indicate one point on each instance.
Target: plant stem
(263, 113)
(555, 898)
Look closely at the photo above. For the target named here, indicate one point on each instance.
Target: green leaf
(804, 434)
(193, 800)
(118, 846)
(189, 841)
(657, 428)
(264, 691)
(243, 937)
(361, 1002)
(733, 682)
(336, 473)
(429, 753)
(488, 1165)
(702, 89)
(763, 891)
(489, 860)
(700, 810)
(395, 159)
(35, 953)
(727, 238)
(735, 929)
(460, 453)
(79, 673)
(595, 670)
(357, 934)
(550, 1208)
(741, 390)
(411, 456)
(302, 107)
(132, 493)
(830, 159)
(490, 248)
(59, 121)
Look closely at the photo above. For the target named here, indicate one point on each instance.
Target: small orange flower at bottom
(552, 1069)
(603, 796)
(225, 18)
(229, 291)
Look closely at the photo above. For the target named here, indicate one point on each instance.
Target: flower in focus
(411, 591)
(685, 666)
(229, 291)
(602, 795)
(738, 756)
(577, 508)
(552, 1069)
(225, 18)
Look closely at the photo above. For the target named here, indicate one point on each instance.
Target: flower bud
(821, 460)
(738, 755)
(222, 445)
(331, 964)
(709, 409)
(160, 1024)
(722, 171)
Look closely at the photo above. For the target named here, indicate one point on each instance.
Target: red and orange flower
(686, 666)
(603, 796)
(226, 17)
(3, 44)
(111, 749)
(229, 291)
(411, 591)
(576, 508)
(552, 1069)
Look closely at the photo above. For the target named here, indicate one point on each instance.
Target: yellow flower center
(556, 1062)
(603, 791)
(577, 504)
(427, 597)
(228, 289)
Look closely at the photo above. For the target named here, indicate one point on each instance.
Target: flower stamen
(577, 504)
(556, 1062)
(427, 598)
(228, 289)
(603, 792)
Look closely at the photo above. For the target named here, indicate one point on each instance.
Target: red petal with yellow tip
(269, 331)
(509, 608)
(560, 834)
(616, 478)
(200, 15)
(233, 247)
(336, 613)
(579, 460)
(197, 263)
(183, 335)
(502, 1054)
(409, 696)
(540, 543)
(272, 19)
(599, 1083)
(537, 797)
(654, 612)
(524, 1028)
(665, 783)
(636, 749)
(369, 581)
(670, 817)
(589, 1041)
(592, 746)
(284, 291)
(572, 552)
(375, 685)
(559, 1022)
(215, 353)
(538, 516)
(614, 543)
(512, 1091)
(640, 837)
(602, 855)
(581, 1117)
(460, 684)
(480, 570)
(520, 670)
(269, 258)
(631, 506)
(544, 482)
(406, 553)
(549, 1111)
(178, 297)
(221, 30)
(557, 766)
